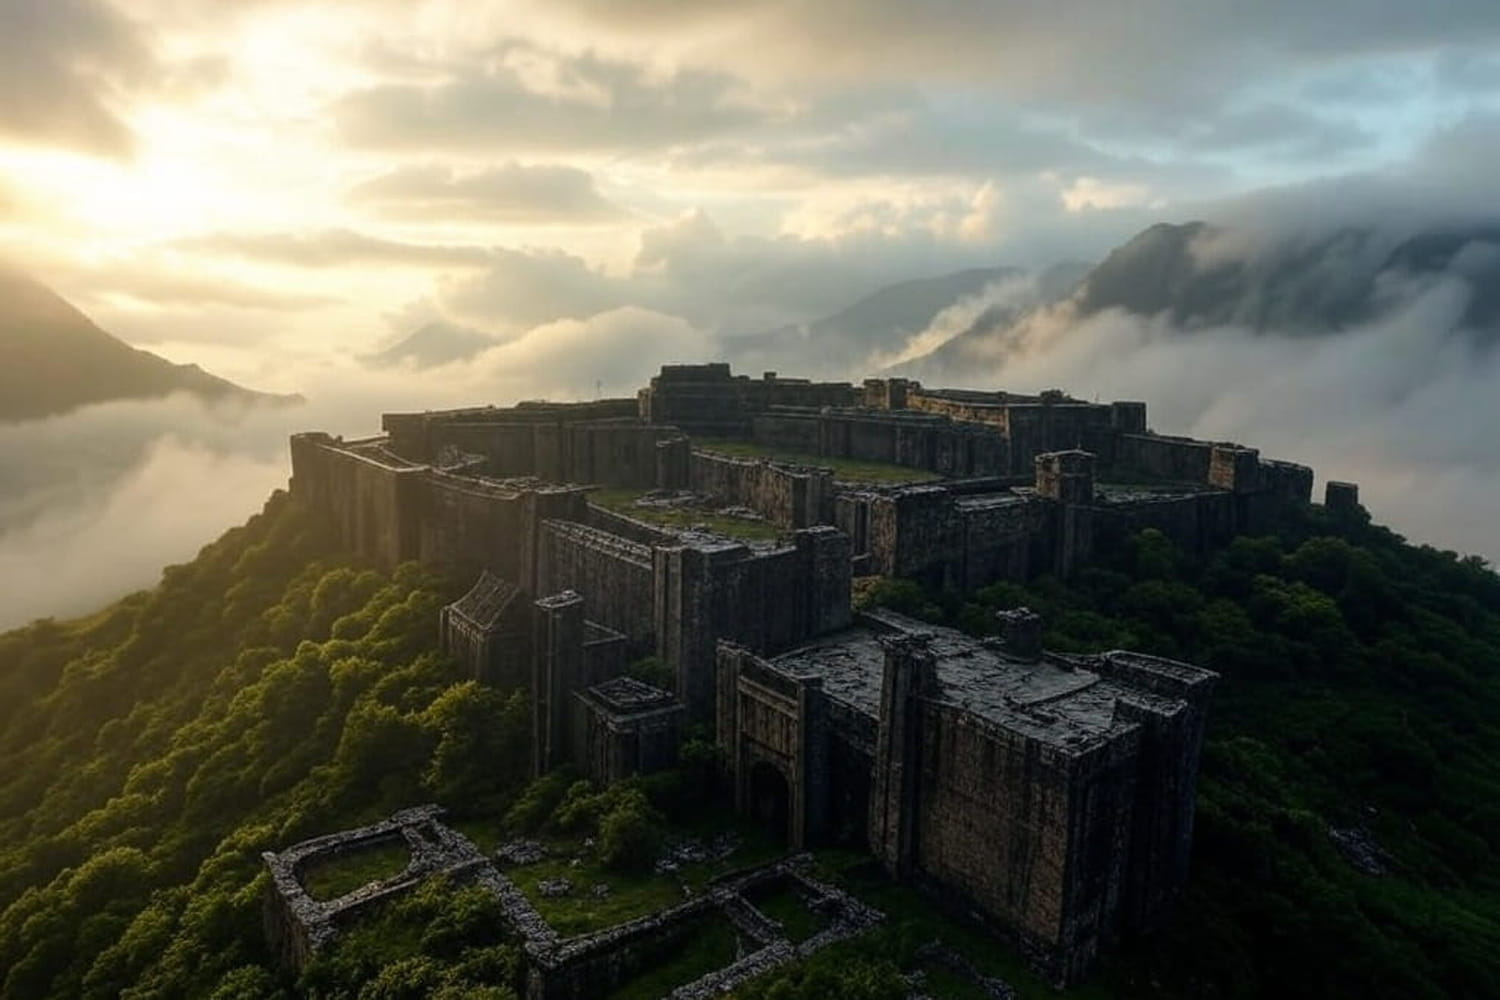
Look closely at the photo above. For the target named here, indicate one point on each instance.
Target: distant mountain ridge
(1199, 275)
(880, 322)
(431, 345)
(54, 359)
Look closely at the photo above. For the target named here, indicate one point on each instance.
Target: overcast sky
(242, 183)
(271, 188)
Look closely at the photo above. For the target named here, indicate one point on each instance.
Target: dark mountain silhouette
(54, 359)
(1198, 275)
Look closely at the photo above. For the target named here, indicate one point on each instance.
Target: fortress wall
(1035, 430)
(708, 400)
(994, 819)
(1288, 482)
(1195, 521)
(1102, 811)
(1176, 458)
(615, 454)
(613, 574)
(602, 442)
(766, 600)
(788, 496)
(468, 526)
(626, 527)
(799, 433)
(374, 504)
(938, 445)
(1000, 542)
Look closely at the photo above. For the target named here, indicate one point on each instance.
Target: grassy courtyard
(344, 874)
(747, 529)
(848, 470)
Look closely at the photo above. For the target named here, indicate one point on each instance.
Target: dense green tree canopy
(271, 690)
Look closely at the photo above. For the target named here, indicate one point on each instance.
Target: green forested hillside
(262, 694)
(270, 691)
(1360, 694)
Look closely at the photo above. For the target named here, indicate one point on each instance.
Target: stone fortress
(1050, 794)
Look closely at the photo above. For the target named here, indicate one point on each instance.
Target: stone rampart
(765, 598)
(389, 510)
(708, 400)
(786, 495)
(919, 441)
(615, 574)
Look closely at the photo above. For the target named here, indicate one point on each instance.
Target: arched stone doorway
(771, 799)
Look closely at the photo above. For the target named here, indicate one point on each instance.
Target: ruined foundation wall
(789, 496)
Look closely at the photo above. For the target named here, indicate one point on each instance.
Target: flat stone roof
(1056, 700)
(627, 696)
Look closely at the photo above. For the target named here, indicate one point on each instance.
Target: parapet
(1021, 631)
(1341, 497)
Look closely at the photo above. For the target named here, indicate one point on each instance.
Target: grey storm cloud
(597, 104)
(62, 65)
(1149, 72)
(513, 192)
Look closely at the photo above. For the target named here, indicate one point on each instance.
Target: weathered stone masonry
(1053, 794)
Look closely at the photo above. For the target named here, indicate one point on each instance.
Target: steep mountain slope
(54, 359)
(433, 344)
(879, 323)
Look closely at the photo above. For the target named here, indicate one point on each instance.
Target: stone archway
(771, 799)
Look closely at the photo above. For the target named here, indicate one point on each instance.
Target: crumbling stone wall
(790, 496)
(298, 926)
(1196, 521)
(1030, 425)
(594, 965)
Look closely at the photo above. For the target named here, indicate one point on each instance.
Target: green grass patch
(483, 833)
(945, 984)
(712, 946)
(747, 529)
(913, 918)
(849, 470)
(785, 905)
(344, 874)
(634, 894)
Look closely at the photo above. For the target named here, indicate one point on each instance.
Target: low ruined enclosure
(718, 523)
